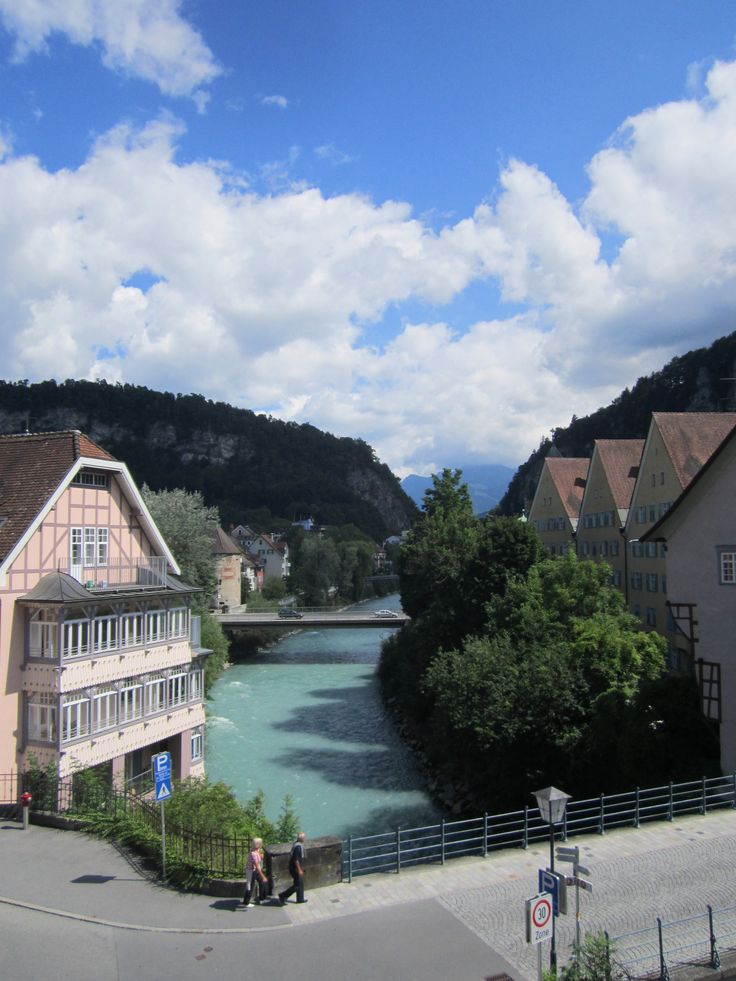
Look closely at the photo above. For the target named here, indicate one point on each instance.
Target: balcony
(147, 572)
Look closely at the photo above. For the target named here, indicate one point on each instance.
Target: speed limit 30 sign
(539, 918)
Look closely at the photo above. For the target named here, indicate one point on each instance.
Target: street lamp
(552, 804)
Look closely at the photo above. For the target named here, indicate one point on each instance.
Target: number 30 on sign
(539, 918)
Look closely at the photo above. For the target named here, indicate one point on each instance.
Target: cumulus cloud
(280, 101)
(139, 38)
(277, 302)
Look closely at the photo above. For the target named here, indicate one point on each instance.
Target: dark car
(288, 614)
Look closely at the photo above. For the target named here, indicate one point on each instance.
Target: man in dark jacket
(297, 861)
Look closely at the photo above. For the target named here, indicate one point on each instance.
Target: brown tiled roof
(224, 545)
(692, 437)
(620, 461)
(32, 466)
(568, 475)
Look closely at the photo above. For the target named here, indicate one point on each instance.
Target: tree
(188, 527)
(318, 570)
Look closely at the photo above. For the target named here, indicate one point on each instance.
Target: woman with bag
(254, 874)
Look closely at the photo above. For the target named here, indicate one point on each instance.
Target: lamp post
(552, 804)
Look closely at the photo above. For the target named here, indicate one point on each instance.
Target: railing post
(601, 815)
(485, 833)
(442, 842)
(525, 842)
(662, 965)
(608, 955)
(398, 849)
(715, 960)
(671, 815)
(733, 798)
(704, 808)
(564, 826)
(636, 808)
(350, 858)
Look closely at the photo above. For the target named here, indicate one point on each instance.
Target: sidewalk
(665, 869)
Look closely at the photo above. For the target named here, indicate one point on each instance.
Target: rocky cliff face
(239, 461)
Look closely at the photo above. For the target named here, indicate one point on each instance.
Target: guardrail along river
(305, 717)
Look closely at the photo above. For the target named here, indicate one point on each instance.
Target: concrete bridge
(310, 619)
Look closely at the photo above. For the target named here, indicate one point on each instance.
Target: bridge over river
(311, 619)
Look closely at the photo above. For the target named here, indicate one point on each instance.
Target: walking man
(297, 861)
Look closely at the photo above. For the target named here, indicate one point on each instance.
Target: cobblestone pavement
(667, 869)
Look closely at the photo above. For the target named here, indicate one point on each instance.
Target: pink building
(99, 655)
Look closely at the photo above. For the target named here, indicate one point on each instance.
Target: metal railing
(405, 847)
(693, 940)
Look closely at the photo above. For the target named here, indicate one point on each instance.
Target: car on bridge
(287, 613)
(386, 614)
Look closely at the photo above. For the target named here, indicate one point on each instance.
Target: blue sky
(444, 228)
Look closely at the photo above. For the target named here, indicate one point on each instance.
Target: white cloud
(139, 38)
(271, 301)
(330, 153)
(280, 101)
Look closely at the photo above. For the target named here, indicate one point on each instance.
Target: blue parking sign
(162, 775)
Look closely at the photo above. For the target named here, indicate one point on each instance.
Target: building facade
(556, 505)
(99, 653)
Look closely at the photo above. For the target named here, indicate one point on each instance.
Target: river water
(305, 717)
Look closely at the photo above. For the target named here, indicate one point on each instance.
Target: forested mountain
(486, 484)
(253, 468)
(703, 380)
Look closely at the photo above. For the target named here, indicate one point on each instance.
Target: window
(652, 582)
(43, 636)
(616, 579)
(650, 550)
(89, 547)
(636, 549)
(155, 695)
(636, 580)
(90, 536)
(604, 548)
(177, 689)
(641, 514)
(102, 541)
(105, 633)
(104, 708)
(195, 685)
(178, 626)
(131, 629)
(651, 617)
(75, 638)
(728, 568)
(613, 548)
(652, 512)
(42, 718)
(664, 508)
(155, 626)
(131, 702)
(74, 717)
(197, 744)
(87, 478)
(75, 546)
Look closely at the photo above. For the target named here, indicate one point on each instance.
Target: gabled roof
(620, 459)
(568, 475)
(32, 466)
(692, 437)
(36, 468)
(224, 545)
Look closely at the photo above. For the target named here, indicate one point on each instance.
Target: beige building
(99, 654)
(612, 474)
(700, 536)
(229, 563)
(556, 505)
(677, 446)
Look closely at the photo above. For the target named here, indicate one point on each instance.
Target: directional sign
(539, 918)
(554, 883)
(567, 854)
(581, 869)
(162, 775)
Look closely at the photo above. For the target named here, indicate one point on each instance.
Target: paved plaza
(62, 893)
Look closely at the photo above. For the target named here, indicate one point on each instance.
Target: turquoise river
(305, 717)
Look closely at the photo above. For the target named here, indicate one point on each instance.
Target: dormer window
(91, 478)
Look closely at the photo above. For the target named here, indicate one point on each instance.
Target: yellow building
(556, 505)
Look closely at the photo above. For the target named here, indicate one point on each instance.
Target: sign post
(573, 855)
(539, 923)
(161, 763)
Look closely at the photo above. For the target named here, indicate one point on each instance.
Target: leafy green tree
(188, 527)
(274, 588)
(319, 569)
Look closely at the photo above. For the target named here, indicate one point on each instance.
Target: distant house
(270, 555)
(699, 532)
(677, 446)
(556, 506)
(612, 473)
(229, 562)
(100, 658)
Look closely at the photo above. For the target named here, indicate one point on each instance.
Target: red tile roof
(620, 461)
(32, 466)
(692, 437)
(568, 475)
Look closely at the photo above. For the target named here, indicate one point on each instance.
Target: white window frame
(104, 709)
(90, 540)
(41, 717)
(727, 567)
(75, 717)
(197, 745)
(105, 633)
(177, 689)
(155, 695)
(131, 701)
(196, 686)
(75, 546)
(155, 626)
(131, 630)
(43, 637)
(178, 622)
(75, 638)
(103, 541)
